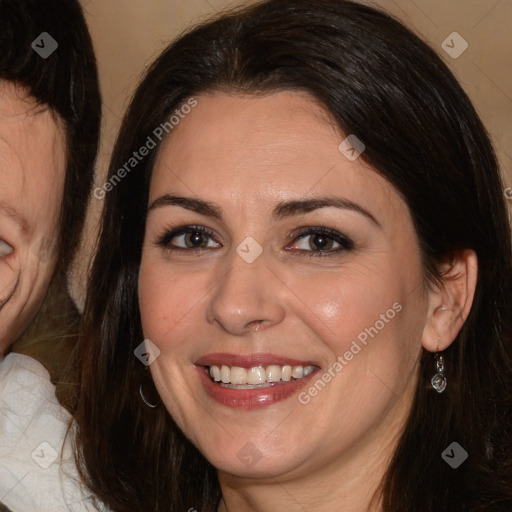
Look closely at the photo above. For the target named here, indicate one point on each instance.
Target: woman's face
(32, 170)
(290, 272)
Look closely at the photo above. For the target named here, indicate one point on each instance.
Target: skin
(246, 155)
(32, 170)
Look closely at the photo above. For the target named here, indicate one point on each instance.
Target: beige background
(129, 34)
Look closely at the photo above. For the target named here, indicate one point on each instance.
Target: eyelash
(346, 244)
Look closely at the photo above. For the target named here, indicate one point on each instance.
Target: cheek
(340, 306)
(371, 318)
(44, 202)
(168, 302)
(152, 301)
(371, 329)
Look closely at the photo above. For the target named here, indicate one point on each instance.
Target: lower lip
(251, 398)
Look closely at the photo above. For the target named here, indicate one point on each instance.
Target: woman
(50, 111)
(313, 243)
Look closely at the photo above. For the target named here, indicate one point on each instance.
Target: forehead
(242, 150)
(32, 153)
(250, 139)
(26, 125)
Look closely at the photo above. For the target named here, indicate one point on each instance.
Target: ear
(450, 302)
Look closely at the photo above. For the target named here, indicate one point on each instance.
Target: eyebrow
(281, 210)
(16, 216)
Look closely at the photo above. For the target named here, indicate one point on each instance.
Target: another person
(314, 245)
(50, 110)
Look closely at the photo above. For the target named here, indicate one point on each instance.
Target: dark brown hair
(383, 84)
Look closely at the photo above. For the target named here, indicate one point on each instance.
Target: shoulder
(37, 469)
(24, 383)
(28, 404)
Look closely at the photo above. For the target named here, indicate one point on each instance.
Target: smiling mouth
(256, 377)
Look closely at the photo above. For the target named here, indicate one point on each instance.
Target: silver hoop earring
(145, 400)
(439, 380)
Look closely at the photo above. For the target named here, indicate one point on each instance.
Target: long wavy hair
(385, 85)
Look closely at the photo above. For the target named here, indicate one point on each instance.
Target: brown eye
(322, 242)
(187, 238)
(195, 239)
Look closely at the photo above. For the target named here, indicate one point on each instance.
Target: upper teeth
(258, 374)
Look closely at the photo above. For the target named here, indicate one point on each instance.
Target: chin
(253, 464)
(241, 456)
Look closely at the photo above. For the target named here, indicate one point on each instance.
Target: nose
(248, 297)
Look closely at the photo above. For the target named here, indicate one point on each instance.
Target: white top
(37, 469)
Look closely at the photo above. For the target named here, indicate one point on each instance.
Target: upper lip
(250, 360)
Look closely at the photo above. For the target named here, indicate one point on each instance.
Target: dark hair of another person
(383, 84)
(66, 82)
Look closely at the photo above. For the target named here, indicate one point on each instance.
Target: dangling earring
(439, 380)
(143, 396)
